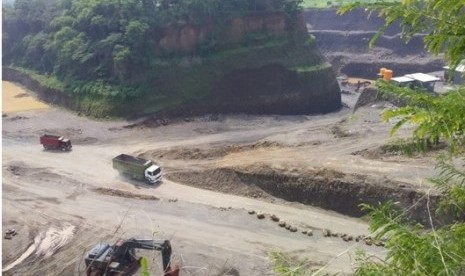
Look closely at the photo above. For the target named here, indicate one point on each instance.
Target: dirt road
(211, 232)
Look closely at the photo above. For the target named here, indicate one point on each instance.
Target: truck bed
(51, 136)
(131, 159)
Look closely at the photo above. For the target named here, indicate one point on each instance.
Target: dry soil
(62, 203)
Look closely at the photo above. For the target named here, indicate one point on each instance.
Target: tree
(443, 22)
(90, 45)
(412, 248)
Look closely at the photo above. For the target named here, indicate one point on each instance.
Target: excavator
(120, 259)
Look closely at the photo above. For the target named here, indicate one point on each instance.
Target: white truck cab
(153, 174)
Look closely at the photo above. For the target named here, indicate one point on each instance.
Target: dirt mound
(15, 118)
(119, 193)
(398, 148)
(16, 169)
(189, 153)
(368, 96)
(224, 180)
(324, 188)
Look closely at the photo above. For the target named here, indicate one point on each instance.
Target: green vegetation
(443, 22)
(441, 117)
(109, 51)
(289, 266)
(436, 117)
(413, 249)
(410, 147)
(438, 248)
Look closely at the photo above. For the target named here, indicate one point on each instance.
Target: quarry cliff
(256, 63)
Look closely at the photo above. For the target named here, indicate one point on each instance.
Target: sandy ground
(50, 198)
(15, 98)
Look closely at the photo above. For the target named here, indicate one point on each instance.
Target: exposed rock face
(275, 89)
(344, 40)
(257, 64)
(185, 37)
(322, 188)
(182, 38)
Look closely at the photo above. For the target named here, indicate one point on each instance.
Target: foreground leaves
(412, 250)
(443, 22)
(435, 117)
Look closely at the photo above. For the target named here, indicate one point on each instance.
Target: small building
(417, 80)
(457, 77)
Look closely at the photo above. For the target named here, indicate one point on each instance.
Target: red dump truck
(55, 142)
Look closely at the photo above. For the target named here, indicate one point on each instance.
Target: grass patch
(291, 266)
(339, 132)
(47, 81)
(410, 147)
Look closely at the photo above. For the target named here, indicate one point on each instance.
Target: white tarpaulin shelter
(421, 77)
(417, 80)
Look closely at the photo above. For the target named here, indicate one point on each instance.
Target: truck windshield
(155, 172)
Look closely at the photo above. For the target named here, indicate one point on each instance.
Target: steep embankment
(328, 189)
(344, 41)
(259, 64)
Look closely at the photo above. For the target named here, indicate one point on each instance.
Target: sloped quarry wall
(344, 40)
(187, 37)
(357, 19)
(79, 103)
(323, 188)
(270, 89)
(43, 93)
(275, 89)
(257, 66)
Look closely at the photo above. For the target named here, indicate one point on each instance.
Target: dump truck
(137, 168)
(55, 142)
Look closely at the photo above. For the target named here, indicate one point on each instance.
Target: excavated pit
(344, 40)
(323, 188)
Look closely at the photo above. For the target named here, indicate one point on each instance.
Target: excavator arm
(121, 257)
(163, 245)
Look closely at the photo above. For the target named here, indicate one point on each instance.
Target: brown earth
(344, 40)
(217, 169)
(275, 165)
